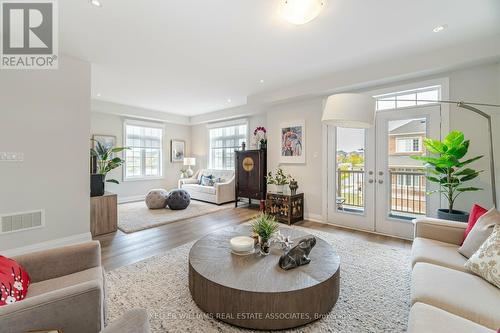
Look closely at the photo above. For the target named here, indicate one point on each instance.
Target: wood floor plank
(121, 249)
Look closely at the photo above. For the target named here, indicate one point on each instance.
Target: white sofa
(218, 194)
(445, 297)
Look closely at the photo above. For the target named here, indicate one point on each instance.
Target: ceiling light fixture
(261, 81)
(95, 3)
(229, 100)
(301, 11)
(440, 28)
(98, 94)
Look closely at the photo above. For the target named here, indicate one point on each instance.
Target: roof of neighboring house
(414, 126)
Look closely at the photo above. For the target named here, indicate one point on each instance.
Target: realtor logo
(29, 34)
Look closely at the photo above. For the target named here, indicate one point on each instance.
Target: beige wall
(108, 124)
(46, 115)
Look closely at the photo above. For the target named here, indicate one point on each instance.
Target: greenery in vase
(260, 134)
(279, 179)
(446, 169)
(265, 226)
(106, 161)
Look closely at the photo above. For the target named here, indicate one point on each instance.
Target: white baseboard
(314, 217)
(131, 198)
(70, 240)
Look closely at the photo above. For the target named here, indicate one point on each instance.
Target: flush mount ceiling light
(301, 11)
(440, 28)
(95, 3)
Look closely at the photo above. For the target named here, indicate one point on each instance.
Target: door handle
(370, 181)
(380, 181)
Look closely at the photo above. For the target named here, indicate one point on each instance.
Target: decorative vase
(279, 188)
(97, 185)
(293, 187)
(264, 246)
(263, 145)
(243, 146)
(455, 215)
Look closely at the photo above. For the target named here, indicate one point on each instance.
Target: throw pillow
(207, 180)
(475, 213)
(14, 281)
(478, 234)
(486, 261)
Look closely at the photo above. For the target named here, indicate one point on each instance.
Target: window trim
(221, 124)
(142, 123)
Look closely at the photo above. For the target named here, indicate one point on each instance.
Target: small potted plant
(279, 179)
(106, 161)
(264, 226)
(446, 169)
(260, 135)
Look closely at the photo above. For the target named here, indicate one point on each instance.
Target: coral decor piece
(14, 281)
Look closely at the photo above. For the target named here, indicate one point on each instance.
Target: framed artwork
(106, 140)
(293, 142)
(177, 150)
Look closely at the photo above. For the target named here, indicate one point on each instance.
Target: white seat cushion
(199, 188)
(462, 294)
(425, 318)
(438, 253)
(225, 175)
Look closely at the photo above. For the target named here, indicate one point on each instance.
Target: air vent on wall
(21, 221)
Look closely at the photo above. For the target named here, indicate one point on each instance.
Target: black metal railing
(350, 187)
(408, 192)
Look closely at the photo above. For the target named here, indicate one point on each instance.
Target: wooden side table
(103, 214)
(285, 208)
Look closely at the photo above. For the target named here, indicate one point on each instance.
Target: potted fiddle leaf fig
(105, 162)
(447, 169)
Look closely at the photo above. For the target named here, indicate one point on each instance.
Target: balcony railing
(350, 187)
(407, 197)
(408, 192)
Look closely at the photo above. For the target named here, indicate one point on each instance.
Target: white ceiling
(190, 56)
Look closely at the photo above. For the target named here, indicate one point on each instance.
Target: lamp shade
(189, 161)
(349, 110)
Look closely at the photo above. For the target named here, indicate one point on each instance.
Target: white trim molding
(58, 242)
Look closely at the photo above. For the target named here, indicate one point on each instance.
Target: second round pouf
(156, 198)
(178, 199)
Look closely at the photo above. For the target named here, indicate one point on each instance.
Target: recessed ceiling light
(229, 100)
(96, 3)
(261, 81)
(301, 11)
(98, 94)
(440, 28)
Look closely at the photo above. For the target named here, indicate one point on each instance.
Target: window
(407, 145)
(223, 141)
(408, 176)
(144, 158)
(408, 98)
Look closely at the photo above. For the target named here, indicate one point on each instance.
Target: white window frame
(237, 122)
(413, 138)
(149, 125)
(394, 96)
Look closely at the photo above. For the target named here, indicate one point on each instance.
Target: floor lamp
(357, 110)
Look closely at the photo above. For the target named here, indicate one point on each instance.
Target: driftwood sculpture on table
(298, 255)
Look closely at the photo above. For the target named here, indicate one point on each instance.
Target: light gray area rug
(135, 216)
(374, 294)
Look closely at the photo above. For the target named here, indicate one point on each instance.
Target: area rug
(135, 216)
(374, 293)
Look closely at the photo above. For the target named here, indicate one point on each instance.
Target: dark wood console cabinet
(250, 174)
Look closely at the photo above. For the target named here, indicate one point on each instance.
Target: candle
(242, 244)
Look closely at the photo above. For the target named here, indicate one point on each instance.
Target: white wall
(110, 124)
(46, 115)
(474, 84)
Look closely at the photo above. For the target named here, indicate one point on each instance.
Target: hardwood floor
(121, 249)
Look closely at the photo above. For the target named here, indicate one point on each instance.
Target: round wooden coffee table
(253, 291)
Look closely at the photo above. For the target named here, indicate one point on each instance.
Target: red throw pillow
(14, 281)
(475, 213)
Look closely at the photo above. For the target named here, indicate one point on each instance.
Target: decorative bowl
(242, 244)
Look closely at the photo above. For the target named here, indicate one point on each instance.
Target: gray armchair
(66, 292)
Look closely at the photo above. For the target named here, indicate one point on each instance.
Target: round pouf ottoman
(178, 199)
(156, 198)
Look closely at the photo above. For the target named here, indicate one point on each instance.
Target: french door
(373, 182)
